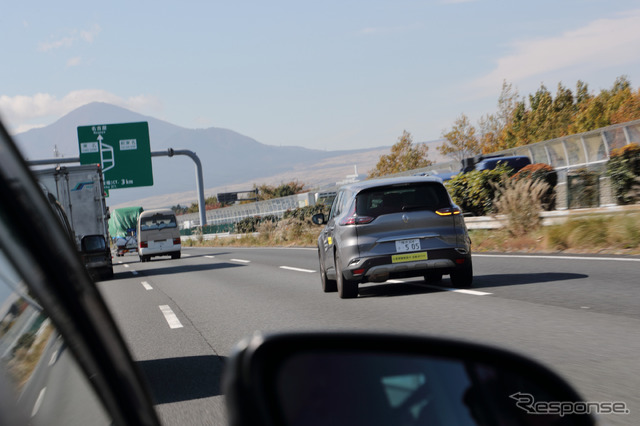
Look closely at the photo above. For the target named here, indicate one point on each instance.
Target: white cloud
(597, 45)
(70, 39)
(25, 112)
(89, 35)
(74, 62)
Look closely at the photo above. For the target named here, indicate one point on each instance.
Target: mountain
(231, 161)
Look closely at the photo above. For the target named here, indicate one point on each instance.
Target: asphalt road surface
(181, 318)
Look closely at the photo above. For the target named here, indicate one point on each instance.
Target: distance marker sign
(122, 150)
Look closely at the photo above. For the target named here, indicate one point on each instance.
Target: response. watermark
(527, 402)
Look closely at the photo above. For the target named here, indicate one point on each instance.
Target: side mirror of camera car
(388, 379)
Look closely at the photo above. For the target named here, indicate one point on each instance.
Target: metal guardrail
(588, 150)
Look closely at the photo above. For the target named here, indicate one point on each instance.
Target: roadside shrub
(623, 168)
(624, 231)
(521, 201)
(588, 232)
(475, 191)
(250, 224)
(543, 173)
(305, 213)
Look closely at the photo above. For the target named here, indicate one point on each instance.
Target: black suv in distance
(392, 228)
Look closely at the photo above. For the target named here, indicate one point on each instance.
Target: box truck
(80, 192)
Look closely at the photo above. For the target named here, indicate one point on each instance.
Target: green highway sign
(123, 151)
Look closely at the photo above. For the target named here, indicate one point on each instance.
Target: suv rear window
(399, 198)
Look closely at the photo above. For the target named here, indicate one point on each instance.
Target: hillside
(231, 161)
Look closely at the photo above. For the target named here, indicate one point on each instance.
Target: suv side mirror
(93, 244)
(390, 379)
(318, 219)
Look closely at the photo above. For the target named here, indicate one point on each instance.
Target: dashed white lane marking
(38, 403)
(146, 285)
(171, 318)
(126, 266)
(134, 272)
(186, 255)
(290, 268)
(54, 358)
(240, 260)
(210, 257)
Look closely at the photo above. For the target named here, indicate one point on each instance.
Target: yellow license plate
(409, 257)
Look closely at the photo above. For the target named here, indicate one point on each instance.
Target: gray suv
(392, 228)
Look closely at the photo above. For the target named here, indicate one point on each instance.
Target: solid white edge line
(240, 260)
(453, 290)
(291, 268)
(457, 290)
(524, 256)
(146, 285)
(171, 318)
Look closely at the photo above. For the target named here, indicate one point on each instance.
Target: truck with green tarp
(122, 228)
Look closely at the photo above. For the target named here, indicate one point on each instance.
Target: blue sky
(328, 75)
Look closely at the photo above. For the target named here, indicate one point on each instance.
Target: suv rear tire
(328, 286)
(432, 277)
(462, 277)
(347, 289)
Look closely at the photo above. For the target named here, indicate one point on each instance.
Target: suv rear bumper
(381, 268)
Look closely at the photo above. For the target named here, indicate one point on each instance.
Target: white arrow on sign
(104, 148)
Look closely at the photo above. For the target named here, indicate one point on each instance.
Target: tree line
(541, 116)
(520, 121)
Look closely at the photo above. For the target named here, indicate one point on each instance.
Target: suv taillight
(353, 219)
(448, 211)
(143, 244)
(356, 220)
(176, 241)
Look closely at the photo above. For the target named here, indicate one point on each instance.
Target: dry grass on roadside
(285, 233)
(614, 234)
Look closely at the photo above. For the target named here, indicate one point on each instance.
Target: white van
(158, 234)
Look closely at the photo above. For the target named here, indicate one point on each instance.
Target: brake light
(176, 241)
(448, 211)
(358, 271)
(356, 220)
(144, 244)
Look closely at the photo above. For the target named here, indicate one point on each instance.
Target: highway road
(578, 314)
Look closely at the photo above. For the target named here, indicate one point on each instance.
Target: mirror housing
(318, 219)
(386, 379)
